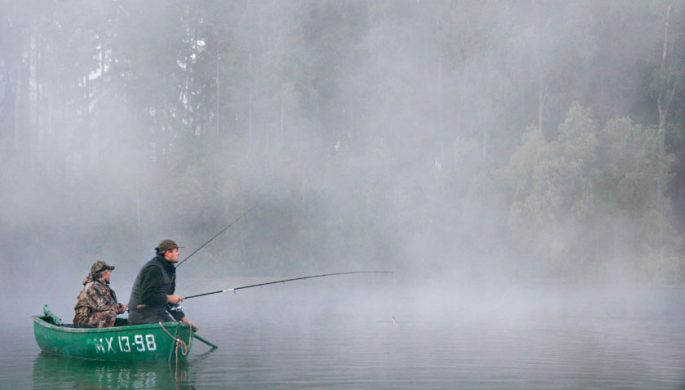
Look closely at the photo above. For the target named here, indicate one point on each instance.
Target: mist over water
(323, 334)
(516, 165)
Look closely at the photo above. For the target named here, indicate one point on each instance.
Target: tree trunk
(281, 120)
(666, 93)
(18, 106)
(542, 99)
(662, 107)
(668, 90)
(218, 94)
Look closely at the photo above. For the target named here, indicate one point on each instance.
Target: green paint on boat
(123, 342)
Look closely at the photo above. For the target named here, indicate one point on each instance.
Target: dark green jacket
(148, 302)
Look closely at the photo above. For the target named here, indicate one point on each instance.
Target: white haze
(394, 179)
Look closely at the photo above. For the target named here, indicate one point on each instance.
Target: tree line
(382, 131)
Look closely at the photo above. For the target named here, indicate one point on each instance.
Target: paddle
(192, 328)
(213, 346)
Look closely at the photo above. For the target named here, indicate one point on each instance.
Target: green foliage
(591, 196)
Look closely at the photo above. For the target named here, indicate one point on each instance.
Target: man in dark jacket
(152, 296)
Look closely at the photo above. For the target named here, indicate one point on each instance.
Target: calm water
(292, 337)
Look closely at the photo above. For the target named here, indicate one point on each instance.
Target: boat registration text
(139, 343)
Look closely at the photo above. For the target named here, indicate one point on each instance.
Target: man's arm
(99, 300)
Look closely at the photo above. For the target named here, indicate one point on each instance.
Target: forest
(519, 139)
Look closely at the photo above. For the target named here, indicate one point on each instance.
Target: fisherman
(152, 296)
(96, 305)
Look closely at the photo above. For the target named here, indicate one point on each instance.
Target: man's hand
(190, 323)
(174, 299)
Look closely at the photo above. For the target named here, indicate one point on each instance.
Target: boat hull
(130, 343)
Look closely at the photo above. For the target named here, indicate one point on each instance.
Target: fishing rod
(284, 281)
(215, 236)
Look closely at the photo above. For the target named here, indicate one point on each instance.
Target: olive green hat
(166, 245)
(100, 266)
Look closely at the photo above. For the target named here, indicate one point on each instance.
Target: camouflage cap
(166, 245)
(100, 266)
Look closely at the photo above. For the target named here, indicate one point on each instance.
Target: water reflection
(55, 372)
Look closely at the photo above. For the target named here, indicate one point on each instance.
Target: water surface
(316, 336)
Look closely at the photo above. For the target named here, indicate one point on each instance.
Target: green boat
(168, 341)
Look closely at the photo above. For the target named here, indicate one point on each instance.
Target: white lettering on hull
(141, 343)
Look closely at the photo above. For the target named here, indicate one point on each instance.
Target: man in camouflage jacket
(96, 305)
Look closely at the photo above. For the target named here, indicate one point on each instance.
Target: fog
(455, 143)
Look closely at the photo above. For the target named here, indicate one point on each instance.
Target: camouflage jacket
(95, 299)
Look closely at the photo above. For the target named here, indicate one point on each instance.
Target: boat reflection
(51, 371)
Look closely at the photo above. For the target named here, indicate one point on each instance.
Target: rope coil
(180, 344)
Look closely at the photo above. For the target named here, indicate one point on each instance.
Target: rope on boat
(180, 344)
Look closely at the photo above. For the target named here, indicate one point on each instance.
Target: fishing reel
(176, 311)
